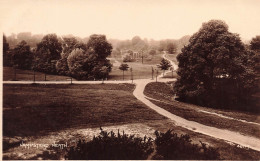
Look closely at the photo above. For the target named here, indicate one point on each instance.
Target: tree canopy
(214, 68)
(47, 54)
(22, 57)
(99, 44)
(164, 64)
(123, 67)
(255, 44)
(6, 55)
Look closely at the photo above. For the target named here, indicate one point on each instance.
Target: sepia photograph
(130, 79)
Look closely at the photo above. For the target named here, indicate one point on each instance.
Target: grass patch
(38, 109)
(27, 75)
(164, 92)
(140, 71)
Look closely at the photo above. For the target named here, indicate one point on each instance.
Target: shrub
(128, 58)
(170, 146)
(110, 146)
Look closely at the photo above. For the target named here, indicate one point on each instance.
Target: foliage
(47, 54)
(22, 57)
(85, 65)
(170, 146)
(110, 146)
(101, 47)
(164, 64)
(123, 67)
(68, 45)
(171, 48)
(152, 52)
(214, 68)
(6, 53)
(78, 64)
(62, 67)
(128, 58)
(255, 44)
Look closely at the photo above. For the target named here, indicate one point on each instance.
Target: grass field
(164, 93)
(27, 75)
(39, 109)
(140, 71)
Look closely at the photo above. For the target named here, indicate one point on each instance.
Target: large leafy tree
(22, 56)
(68, 45)
(48, 53)
(79, 64)
(215, 67)
(255, 47)
(90, 61)
(101, 47)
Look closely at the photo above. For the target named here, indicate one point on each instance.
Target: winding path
(230, 136)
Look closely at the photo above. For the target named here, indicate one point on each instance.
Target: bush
(111, 146)
(170, 146)
(128, 58)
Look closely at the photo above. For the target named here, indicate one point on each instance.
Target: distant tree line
(217, 69)
(148, 47)
(63, 56)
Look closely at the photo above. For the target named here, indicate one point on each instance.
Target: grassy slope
(27, 75)
(227, 151)
(37, 109)
(163, 92)
(140, 71)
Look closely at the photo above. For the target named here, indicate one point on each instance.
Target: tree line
(63, 56)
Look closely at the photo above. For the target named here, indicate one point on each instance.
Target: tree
(152, 52)
(79, 64)
(47, 54)
(255, 44)
(171, 48)
(100, 46)
(68, 45)
(128, 58)
(164, 65)
(22, 56)
(214, 68)
(123, 67)
(6, 54)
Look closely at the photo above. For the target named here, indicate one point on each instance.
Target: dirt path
(229, 136)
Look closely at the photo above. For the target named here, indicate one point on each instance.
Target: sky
(124, 19)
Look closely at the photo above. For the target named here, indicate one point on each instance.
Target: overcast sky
(123, 19)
